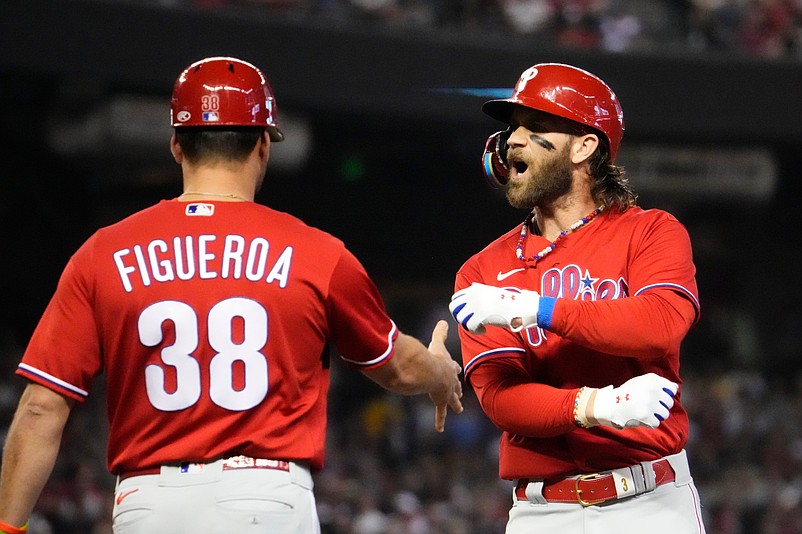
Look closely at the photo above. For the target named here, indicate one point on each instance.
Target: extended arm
(30, 451)
(414, 369)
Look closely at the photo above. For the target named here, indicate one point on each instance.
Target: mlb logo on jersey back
(199, 210)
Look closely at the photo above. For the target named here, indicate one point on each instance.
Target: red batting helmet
(567, 92)
(224, 91)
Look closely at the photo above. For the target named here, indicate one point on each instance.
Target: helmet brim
(500, 109)
(276, 135)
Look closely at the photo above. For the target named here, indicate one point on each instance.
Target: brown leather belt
(593, 488)
(235, 462)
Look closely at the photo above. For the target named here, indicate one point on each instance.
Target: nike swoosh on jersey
(122, 496)
(501, 276)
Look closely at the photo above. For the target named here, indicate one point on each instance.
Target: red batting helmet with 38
(224, 91)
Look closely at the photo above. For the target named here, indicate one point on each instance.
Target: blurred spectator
(766, 28)
(620, 30)
(578, 23)
(528, 16)
(714, 24)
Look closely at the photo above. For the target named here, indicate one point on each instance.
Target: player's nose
(518, 137)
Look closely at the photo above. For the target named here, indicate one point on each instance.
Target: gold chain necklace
(223, 195)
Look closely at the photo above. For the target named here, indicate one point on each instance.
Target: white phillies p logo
(527, 75)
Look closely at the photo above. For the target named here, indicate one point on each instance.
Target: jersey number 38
(221, 369)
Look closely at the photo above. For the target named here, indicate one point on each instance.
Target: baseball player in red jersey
(211, 317)
(571, 323)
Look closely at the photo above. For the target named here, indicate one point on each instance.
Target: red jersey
(212, 323)
(619, 295)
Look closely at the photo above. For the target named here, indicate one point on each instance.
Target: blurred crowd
(389, 472)
(751, 28)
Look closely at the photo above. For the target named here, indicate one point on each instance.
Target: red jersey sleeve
(507, 397)
(67, 326)
(361, 329)
(663, 302)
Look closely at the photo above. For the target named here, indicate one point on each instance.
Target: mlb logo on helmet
(210, 116)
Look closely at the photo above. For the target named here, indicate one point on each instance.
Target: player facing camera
(584, 100)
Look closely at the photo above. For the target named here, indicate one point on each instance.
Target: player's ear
(175, 149)
(264, 146)
(583, 147)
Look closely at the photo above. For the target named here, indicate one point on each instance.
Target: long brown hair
(610, 187)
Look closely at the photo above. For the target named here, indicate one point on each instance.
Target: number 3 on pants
(187, 369)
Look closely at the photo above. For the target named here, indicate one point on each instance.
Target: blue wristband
(545, 310)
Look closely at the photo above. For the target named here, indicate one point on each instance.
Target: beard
(545, 184)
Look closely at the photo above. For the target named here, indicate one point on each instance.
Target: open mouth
(519, 167)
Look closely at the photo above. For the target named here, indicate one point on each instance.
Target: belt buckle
(582, 478)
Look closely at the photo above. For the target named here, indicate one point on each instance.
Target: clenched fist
(644, 400)
(479, 305)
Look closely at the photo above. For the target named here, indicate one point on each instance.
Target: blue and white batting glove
(479, 305)
(644, 400)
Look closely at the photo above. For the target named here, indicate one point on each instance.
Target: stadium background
(383, 144)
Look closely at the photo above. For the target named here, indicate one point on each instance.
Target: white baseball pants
(216, 501)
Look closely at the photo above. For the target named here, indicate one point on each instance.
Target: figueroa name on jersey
(203, 257)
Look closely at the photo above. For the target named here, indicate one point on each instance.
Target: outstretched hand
(451, 392)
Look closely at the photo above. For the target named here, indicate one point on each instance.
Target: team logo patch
(210, 116)
(199, 210)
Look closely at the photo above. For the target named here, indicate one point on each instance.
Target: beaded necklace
(519, 249)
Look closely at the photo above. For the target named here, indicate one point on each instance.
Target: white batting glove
(480, 305)
(641, 401)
